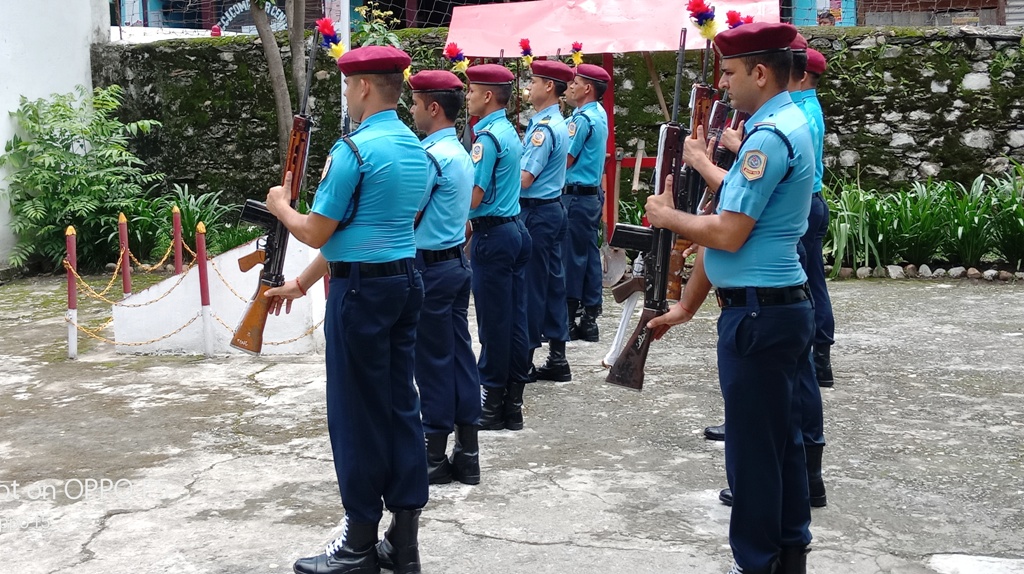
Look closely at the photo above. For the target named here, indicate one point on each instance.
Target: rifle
(655, 243)
(723, 116)
(248, 336)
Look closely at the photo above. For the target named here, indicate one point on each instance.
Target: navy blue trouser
(579, 252)
(545, 275)
(499, 257)
(760, 354)
(817, 228)
(446, 372)
(373, 411)
(811, 410)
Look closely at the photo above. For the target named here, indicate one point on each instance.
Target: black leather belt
(489, 221)
(342, 269)
(531, 202)
(577, 189)
(765, 295)
(430, 257)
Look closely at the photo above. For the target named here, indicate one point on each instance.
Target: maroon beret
(592, 72)
(435, 81)
(799, 44)
(754, 38)
(489, 74)
(815, 62)
(374, 60)
(552, 70)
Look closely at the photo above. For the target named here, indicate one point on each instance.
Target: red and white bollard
(204, 289)
(72, 316)
(176, 226)
(126, 262)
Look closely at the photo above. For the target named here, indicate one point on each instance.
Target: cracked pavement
(189, 465)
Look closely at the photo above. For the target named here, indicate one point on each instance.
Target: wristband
(299, 285)
(680, 303)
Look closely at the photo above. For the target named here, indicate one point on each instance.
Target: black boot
(513, 407)
(793, 560)
(556, 368)
(466, 456)
(353, 552)
(725, 496)
(715, 433)
(823, 365)
(587, 330)
(399, 550)
(439, 470)
(815, 484)
(492, 416)
(572, 305)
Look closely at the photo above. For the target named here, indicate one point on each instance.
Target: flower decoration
(524, 44)
(407, 73)
(330, 38)
(454, 54)
(734, 18)
(704, 17)
(577, 53)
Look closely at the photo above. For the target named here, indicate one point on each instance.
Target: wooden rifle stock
(628, 370)
(248, 336)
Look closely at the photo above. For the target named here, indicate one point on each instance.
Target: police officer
(446, 372)
(500, 250)
(817, 228)
(750, 254)
(812, 421)
(545, 146)
(362, 221)
(583, 197)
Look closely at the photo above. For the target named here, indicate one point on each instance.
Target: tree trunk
(278, 82)
(296, 13)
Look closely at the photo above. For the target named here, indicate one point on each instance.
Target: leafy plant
(884, 229)
(631, 209)
(72, 167)
(849, 235)
(1008, 216)
(921, 221)
(969, 223)
(376, 28)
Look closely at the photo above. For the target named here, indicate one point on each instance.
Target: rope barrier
(150, 268)
(225, 281)
(94, 333)
(89, 291)
(272, 343)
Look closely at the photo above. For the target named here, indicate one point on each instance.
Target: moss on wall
(900, 103)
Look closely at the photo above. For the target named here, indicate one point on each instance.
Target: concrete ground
(118, 463)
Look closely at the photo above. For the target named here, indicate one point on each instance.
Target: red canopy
(603, 26)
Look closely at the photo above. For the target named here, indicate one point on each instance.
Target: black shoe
(725, 496)
(588, 331)
(399, 550)
(532, 373)
(354, 552)
(823, 365)
(556, 367)
(573, 307)
(715, 433)
(466, 456)
(793, 560)
(513, 406)
(439, 470)
(492, 416)
(815, 483)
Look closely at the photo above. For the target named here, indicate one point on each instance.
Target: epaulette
(768, 124)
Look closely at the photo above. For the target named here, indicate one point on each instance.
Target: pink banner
(603, 26)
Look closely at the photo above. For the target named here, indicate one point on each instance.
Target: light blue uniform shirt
(443, 223)
(816, 116)
(755, 187)
(394, 169)
(588, 136)
(496, 170)
(544, 152)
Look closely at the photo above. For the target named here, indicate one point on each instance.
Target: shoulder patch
(546, 120)
(537, 138)
(754, 162)
(478, 152)
(327, 168)
(767, 124)
(572, 128)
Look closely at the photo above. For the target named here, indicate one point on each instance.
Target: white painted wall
(44, 49)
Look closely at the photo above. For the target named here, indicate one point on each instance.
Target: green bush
(1008, 216)
(72, 167)
(921, 221)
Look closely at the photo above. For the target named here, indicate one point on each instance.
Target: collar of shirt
(489, 119)
(438, 136)
(797, 95)
(547, 112)
(770, 108)
(379, 117)
(811, 93)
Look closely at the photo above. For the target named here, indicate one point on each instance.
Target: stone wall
(901, 103)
